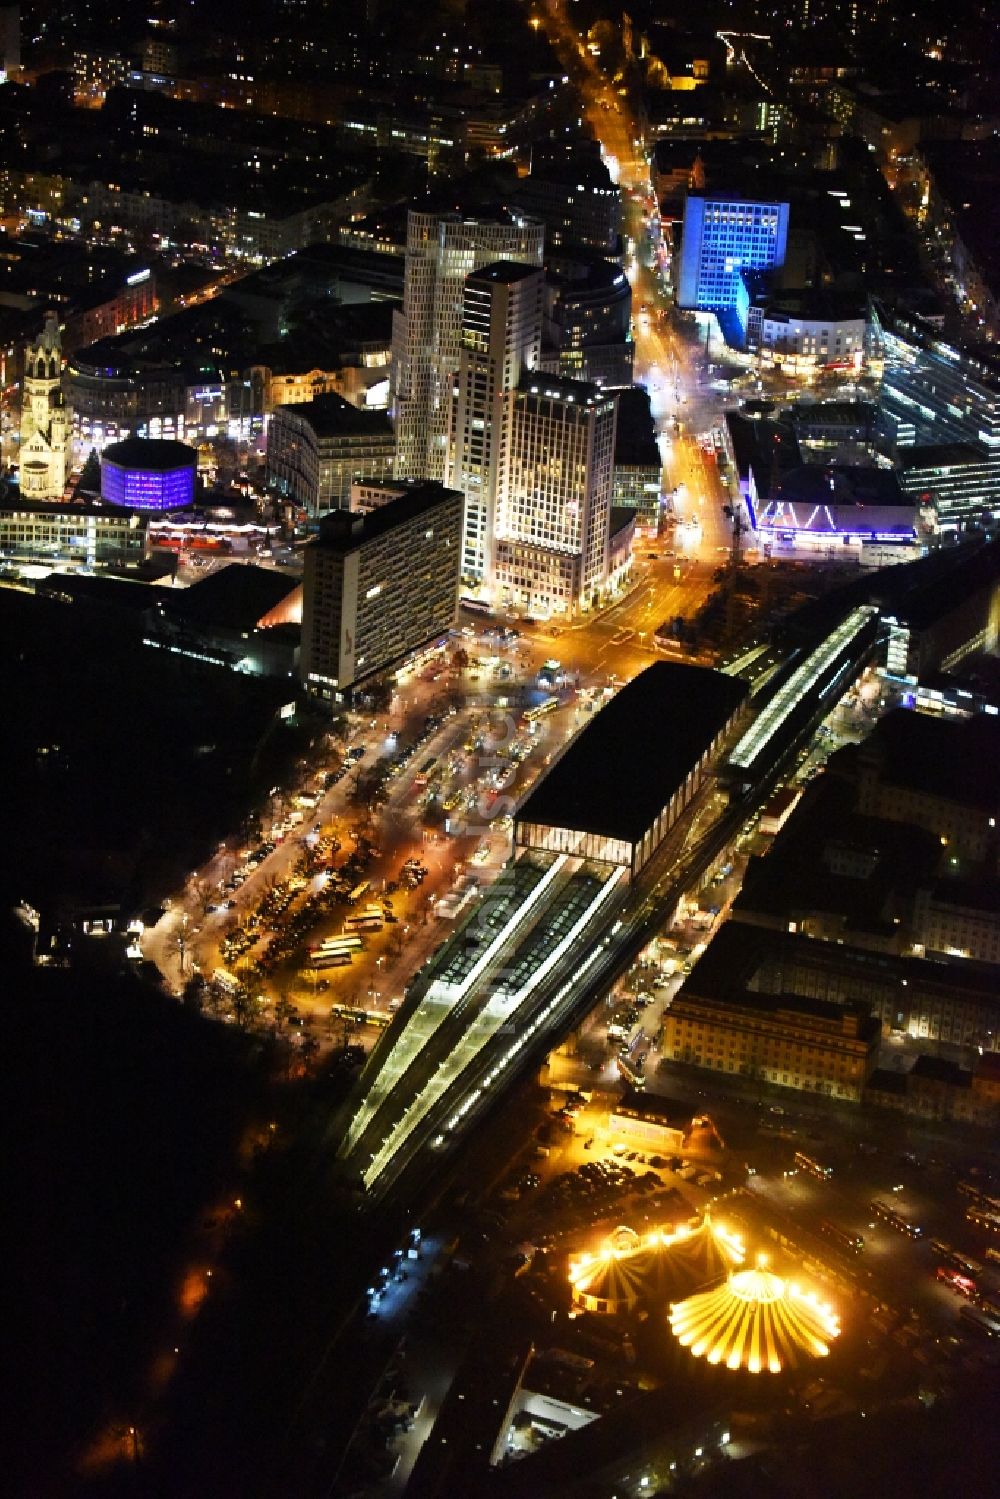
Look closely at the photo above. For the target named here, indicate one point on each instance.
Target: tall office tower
(442, 249)
(45, 417)
(723, 236)
(501, 336)
(554, 501)
(939, 417)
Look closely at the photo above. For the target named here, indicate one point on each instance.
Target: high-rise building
(45, 417)
(442, 249)
(377, 586)
(500, 338)
(554, 498)
(723, 236)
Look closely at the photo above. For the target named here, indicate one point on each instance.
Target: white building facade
(442, 249)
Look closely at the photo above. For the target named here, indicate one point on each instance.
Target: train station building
(620, 786)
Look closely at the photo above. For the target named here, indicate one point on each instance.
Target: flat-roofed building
(600, 800)
(786, 1039)
(316, 450)
(89, 536)
(377, 586)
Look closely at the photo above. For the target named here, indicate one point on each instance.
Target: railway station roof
(623, 768)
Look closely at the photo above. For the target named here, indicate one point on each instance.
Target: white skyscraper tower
(45, 417)
(501, 336)
(553, 517)
(442, 249)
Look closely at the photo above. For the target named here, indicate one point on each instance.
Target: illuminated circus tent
(657, 1265)
(756, 1321)
(611, 1280)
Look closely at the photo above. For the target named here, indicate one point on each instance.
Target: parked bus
(549, 705)
(330, 959)
(973, 1317)
(963, 1285)
(357, 893)
(895, 1219)
(956, 1258)
(850, 1243)
(983, 1218)
(339, 944)
(809, 1163)
(364, 923)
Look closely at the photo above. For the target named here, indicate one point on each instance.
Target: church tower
(45, 417)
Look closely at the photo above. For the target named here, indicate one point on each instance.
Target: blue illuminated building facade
(145, 474)
(723, 238)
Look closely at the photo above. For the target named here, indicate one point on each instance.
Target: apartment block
(377, 586)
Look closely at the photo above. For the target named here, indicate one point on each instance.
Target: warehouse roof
(621, 771)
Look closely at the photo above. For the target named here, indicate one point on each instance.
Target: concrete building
(442, 249)
(88, 536)
(554, 498)
(807, 1044)
(938, 774)
(588, 313)
(377, 586)
(638, 470)
(500, 339)
(316, 450)
(243, 616)
(45, 418)
(598, 801)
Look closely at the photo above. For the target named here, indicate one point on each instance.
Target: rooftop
(330, 415)
(236, 597)
(161, 454)
(505, 271)
(346, 530)
(953, 759)
(601, 786)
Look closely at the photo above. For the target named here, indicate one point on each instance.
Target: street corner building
(377, 586)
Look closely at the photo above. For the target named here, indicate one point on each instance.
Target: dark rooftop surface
(956, 760)
(939, 455)
(150, 452)
(345, 530)
(330, 415)
(635, 435)
(799, 875)
(622, 769)
(842, 484)
(508, 272)
(234, 598)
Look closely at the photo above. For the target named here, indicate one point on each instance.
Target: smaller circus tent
(610, 1280)
(755, 1321)
(656, 1266)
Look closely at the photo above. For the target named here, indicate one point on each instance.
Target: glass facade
(147, 489)
(722, 238)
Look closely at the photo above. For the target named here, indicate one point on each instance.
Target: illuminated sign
(138, 277)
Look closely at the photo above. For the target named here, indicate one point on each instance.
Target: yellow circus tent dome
(688, 1258)
(658, 1265)
(756, 1321)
